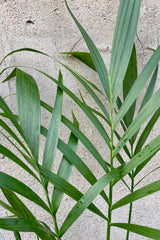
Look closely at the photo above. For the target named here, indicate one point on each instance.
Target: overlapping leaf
(54, 128)
(130, 77)
(19, 207)
(138, 85)
(123, 41)
(29, 109)
(141, 230)
(143, 115)
(15, 185)
(65, 168)
(68, 189)
(25, 225)
(138, 194)
(96, 57)
(84, 57)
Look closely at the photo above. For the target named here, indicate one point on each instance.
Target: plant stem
(110, 190)
(111, 167)
(49, 203)
(131, 204)
(51, 209)
(130, 207)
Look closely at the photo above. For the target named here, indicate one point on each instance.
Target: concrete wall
(47, 26)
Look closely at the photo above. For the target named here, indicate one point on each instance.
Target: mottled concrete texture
(47, 26)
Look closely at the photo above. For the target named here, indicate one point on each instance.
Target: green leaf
(84, 82)
(54, 128)
(15, 185)
(11, 117)
(84, 57)
(85, 141)
(83, 107)
(146, 175)
(21, 210)
(21, 50)
(26, 225)
(130, 77)
(87, 198)
(141, 166)
(17, 236)
(28, 159)
(14, 136)
(29, 109)
(150, 88)
(147, 152)
(6, 152)
(138, 85)
(148, 94)
(96, 57)
(141, 230)
(143, 115)
(147, 131)
(125, 147)
(123, 41)
(11, 75)
(79, 164)
(138, 194)
(6, 116)
(7, 207)
(65, 168)
(68, 189)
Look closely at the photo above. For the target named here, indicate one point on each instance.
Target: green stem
(111, 167)
(131, 204)
(51, 210)
(109, 212)
(130, 209)
(49, 203)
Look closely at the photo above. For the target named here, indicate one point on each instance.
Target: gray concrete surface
(47, 26)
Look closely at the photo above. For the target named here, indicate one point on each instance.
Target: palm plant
(28, 128)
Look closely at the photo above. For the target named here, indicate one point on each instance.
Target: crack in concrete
(141, 44)
(75, 44)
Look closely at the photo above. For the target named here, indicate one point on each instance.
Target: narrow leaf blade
(141, 230)
(84, 82)
(79, 164)
(68, 189)
(150, 88)
(85, 141)
(147, 131)
(7, 207)
(8, 113)
(87, 198)
(138, 85)
(130, 77)
(147, 152)
(65, 168)
(23, 225)
(14, 136)
(29, 109)
(6, 152)
(21, 210)
(96, 57)
(17, 236)
(15, 185)
(54, 128)
(138, 194)
(143, 115)
(84, 57)
(123, 42)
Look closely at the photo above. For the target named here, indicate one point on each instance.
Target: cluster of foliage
(27, 129)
